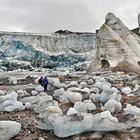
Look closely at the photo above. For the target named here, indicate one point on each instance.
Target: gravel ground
(27, 119)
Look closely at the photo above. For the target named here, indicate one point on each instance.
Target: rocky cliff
(117, 47)
(24, 50)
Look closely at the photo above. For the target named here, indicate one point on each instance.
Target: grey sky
(75, 15)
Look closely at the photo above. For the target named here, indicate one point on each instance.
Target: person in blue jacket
(45, 83)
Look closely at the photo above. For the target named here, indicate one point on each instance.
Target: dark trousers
(45, 87)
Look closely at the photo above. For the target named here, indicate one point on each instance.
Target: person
(45, 83)
(40, 81)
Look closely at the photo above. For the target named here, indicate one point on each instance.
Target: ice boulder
(39, 88)
(2, 92)
(66, 126)
(90, 82)
(112, 106)
(83, 85)
(59, 85)
(48, 116)
(84, 106)
(72, 84)
(98, 85)
(34, 92)
(94, 90)
(59, 92)
(126, 90)
(12, 81)
(28, 105)
(104, 121)
(53, 80)
(15, 106)
(22, 92)
(132, 110)
(95, 97)
(9, 129)
(72, 111)
(74, 96)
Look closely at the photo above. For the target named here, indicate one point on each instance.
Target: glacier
(28, 50)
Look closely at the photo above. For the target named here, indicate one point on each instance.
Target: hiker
(40, 81)
(45, 83)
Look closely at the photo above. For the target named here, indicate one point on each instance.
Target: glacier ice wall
(24, 50)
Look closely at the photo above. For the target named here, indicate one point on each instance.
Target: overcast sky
(76, 15)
